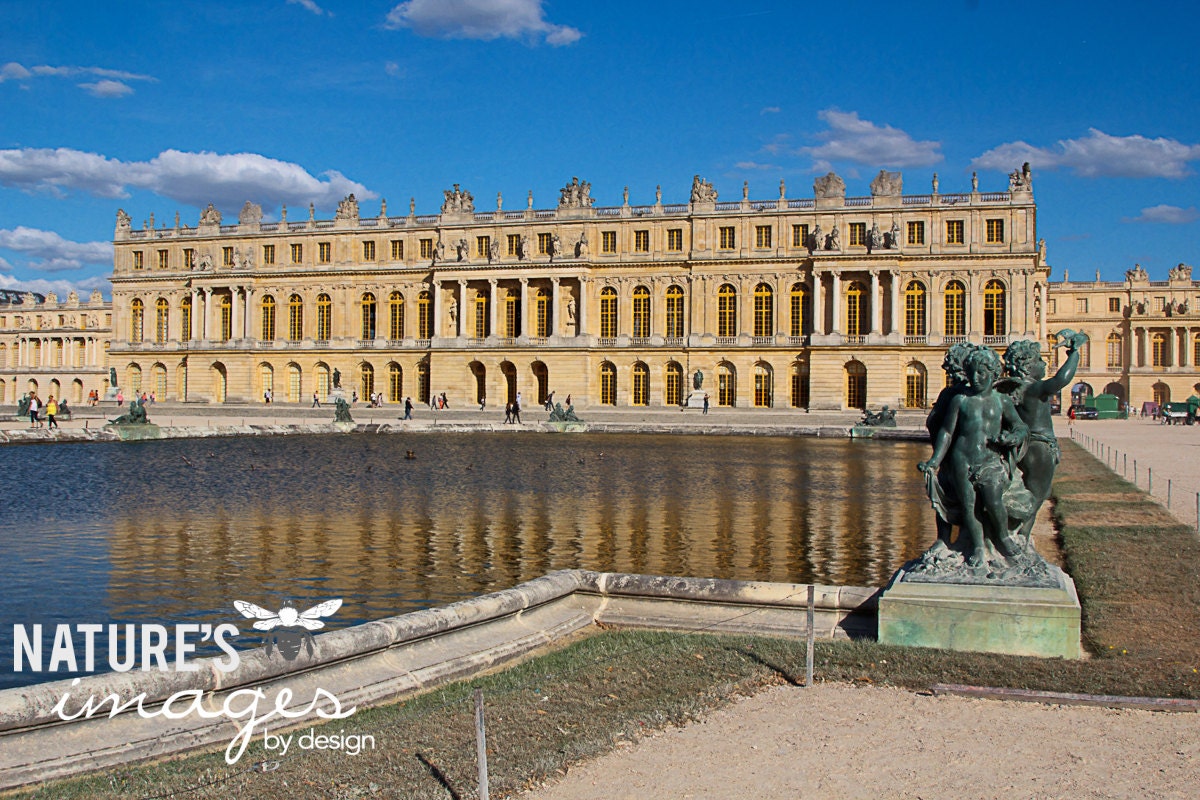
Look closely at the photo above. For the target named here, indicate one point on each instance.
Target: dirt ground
(841, 741)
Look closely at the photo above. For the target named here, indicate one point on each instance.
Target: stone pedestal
(696, 399)
(1015, 620)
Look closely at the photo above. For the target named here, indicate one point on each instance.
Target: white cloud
(861, 141)
(480, 19)
(193, 178)
(393, 69)
(311, 6)
(106, 88)
(51, 252)
(770, 110)
(113, 83)
(83, 287)
(1099, 155)
(1169, 215)
(755, 165)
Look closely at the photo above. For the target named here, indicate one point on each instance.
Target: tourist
(408, 407)
(120, 398)
(507, 413)
(267, 397)
(705, 411)
(516, 411)
(354, 397)
(153, 399)
(549, 404)
(34, 406)
(316, 400)
(445, 402)
(482, 402)
(51, 411)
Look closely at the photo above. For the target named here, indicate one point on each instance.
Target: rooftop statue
(210, 216)
(887, 184)
(829, 185)
(576, 194)
(251, 214)
(703, 191)
(457, 201)
(347, 208)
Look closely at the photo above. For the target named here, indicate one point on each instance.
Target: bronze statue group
(993, 462)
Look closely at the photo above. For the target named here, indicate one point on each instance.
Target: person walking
(51, 412)
(35, 405)
(517, 411)
(316, 400)
(705, 403)
(408, 407)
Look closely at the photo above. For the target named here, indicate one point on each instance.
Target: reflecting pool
(174, 531)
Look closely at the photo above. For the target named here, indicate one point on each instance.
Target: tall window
(268, 254)
(294, 383)
(1158, 350)
(481, 315)
(425, 322)
(396, 316)
(916, 232)
(726, 385)
(397, 249)
(137, 311)
(674, 312)
(139, 259)
(368, 251)
(324, 317)
(915, 381)
(423, 379)
(427, 248)
(395, 383)
(641, 241)
(544, 242)
(514, 244)
(324, 252)
(764, 310)
(800, 384)
(641, 312)
(266, 376)
(297, 254)
(727, 310)
(856, 301)
(189, 258)
(726, 237)
(227, 256)
(858, 234)
(608, 384)
(799, 236)
(368, 316)
(268, 318)
(674, 384)
(762, 235)
(366, 381)
(162, 315)
(995, 323)
(995, 231)
(608, 314)
(512, 312)
(295, 318)
(226, 317)
(641, 384)
(954, 300)
(954, 231)
(856, 385)
(674, 240)
(799, 299)
(541, 303)
(914, 309)
(764, 390)
(483, 246)
(608, 241)
(1114, 351)
(160, 382)
(164, 260)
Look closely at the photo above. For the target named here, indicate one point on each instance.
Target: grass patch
(1137, 579)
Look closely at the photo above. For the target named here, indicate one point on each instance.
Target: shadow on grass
(439, 776)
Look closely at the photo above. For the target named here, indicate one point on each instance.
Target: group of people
(43, 414)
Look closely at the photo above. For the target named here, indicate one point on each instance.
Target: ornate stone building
(53, 347)
(1145, 335)
(819, 302)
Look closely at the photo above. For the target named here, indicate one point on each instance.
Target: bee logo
(288, 630)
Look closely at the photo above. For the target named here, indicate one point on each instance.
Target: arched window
(423, 381)
(673, 395)
(995, 323)
(1196, 351)
(1158, 350)
(799, 305)
(856, 311)
(915, 386)
(512, 314)
(396, 316)
(366, 383)
(226, 305)
(3, 361)
(395, 383)
(267, 378)
(160, 382)
(1162, 393)
(608, 314)
(268, 318)
(641, 312)
(135, 378)
(674, 312)
(294, 383)
(800, 375)
(726, 384)
(481, 315)
(641, 384)
(137, 311)
(542, 311)
(185, 321)
(608, 382)
(368, 316)
(764, 387)
(726, 311)
(324, 317)
(914, 309)
(856, 385)
(295, 318)
(955, 303)
(425, 320)
(324, 382)
(764, 310)
(162, 321)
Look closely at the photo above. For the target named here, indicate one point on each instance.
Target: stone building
(53, 347)
(821, 302)
(1145, 334)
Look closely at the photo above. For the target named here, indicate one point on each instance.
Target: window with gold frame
(162, 332)
(914, 309)
(799, 309)
(137, 310)
(267, 312)
(324, 317)
(295, 318)
(954, 300)
(641, 384)
(674, 312)
(608, 312)
(608, 384)
(425, 325)
(764, 310)
(995, 320)
(726, 311)
(673, 384)
(396, 316)
(641, 312)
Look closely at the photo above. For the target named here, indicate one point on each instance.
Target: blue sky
(160, 108)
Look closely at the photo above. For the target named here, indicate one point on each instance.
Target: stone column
(194, 322)
(1181, 347)
(235, 300)
(835, 299)
(524, 313)
(581, 307)
(1042, 322)
(206, 323)
(894, 325)
(436, 333)
(492, 306)
(876, 305)
(555, 306)
(818, 305)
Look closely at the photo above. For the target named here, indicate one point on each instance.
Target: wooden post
(481, 745)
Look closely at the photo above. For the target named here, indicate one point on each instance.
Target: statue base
(135, 431)
(1014, 620)
(696, 399)
(568, 427)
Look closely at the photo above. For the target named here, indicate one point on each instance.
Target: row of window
(54, 355)
(727, 240)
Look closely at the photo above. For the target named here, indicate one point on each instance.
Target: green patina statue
(23, 406)
(558, 415)
(341, 410)
(136, 415)
(884, 419)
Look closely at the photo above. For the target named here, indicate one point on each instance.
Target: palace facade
(822, 302)
(53, 347)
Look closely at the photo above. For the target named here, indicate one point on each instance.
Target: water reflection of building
(824, 301)
(53, 347)
(789, 513)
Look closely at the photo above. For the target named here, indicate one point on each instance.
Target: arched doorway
(542, 377)
(510, 381)
(856, 385)
(1080, 394)
(480, 373)
(220, 381)
(1162, 394)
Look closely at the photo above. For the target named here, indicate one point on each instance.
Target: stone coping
(385, 660)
